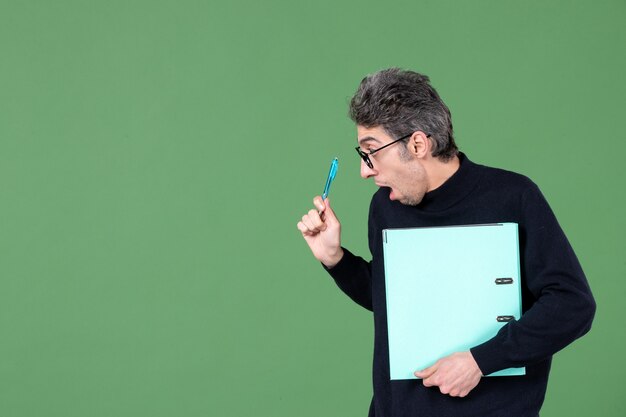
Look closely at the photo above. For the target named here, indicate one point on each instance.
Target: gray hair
(403, 102)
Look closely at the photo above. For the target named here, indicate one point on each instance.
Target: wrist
(333, 259)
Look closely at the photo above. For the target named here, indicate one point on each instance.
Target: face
(401, 171)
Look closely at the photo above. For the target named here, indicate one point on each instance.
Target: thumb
(329, 213)
(425, 373)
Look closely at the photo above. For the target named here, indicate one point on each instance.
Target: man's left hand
(455, 375)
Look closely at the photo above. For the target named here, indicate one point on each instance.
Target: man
(406, 144)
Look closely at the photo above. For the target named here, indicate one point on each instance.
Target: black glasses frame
(365, 156)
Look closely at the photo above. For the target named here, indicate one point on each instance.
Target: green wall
(156, 156)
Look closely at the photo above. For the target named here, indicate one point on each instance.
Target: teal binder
(448, 289)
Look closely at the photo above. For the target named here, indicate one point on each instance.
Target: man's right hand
(322, 232)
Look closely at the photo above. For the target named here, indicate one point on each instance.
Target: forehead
(372, 135)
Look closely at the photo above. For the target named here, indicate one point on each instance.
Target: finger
(308, 223)
(305, 230)
(317, 221)
(428, 382)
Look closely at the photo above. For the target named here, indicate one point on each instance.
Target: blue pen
(331, 176)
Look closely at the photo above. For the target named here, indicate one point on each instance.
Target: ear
(419, 145)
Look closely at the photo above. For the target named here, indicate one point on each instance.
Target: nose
(366, 171)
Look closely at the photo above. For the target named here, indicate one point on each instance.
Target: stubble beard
(412, 200)
(418, 175)
(412, 196)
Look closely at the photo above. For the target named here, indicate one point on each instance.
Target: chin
(410, 201)
(395, 195)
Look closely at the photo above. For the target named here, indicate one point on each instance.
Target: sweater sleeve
(561, 304)
(353, 276)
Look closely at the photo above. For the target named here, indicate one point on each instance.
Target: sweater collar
(457, 187)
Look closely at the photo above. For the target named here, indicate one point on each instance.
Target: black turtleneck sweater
(556, 300)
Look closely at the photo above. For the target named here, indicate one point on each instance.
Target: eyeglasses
(365, 156)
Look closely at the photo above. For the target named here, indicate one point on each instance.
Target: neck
(438, 171)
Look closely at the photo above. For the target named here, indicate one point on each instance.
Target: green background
(156, 156)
